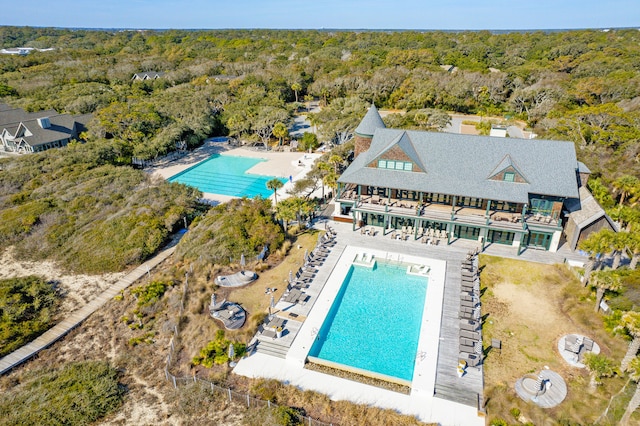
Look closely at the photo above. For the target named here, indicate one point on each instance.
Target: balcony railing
(442, 212)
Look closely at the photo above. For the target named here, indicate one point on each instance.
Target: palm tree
(296, 87)
(286, 212)
(331, 180)
(275, 184)
(630, 322)
(634, 403)
(280, 131)
(335, 159)
(604, 281)
(633, 245)
(595, 245)
(619, 243)
(324, 169)
(626, 186)
(599, 366)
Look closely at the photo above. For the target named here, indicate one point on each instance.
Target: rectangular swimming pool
(374, 321)
(226, 175)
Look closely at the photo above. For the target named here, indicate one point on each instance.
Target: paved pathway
(29, 350)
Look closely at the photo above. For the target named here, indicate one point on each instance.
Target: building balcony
(445, 213)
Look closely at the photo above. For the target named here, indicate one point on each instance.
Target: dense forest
(582, 86)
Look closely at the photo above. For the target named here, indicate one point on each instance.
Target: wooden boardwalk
(58, 331)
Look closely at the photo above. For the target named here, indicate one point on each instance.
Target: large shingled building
(493, 190)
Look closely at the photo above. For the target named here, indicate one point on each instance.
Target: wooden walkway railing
(49, 337)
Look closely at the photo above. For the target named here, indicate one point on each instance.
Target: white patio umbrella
(242, 261)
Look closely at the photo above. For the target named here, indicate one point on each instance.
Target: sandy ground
(280, 164)
(78, 290)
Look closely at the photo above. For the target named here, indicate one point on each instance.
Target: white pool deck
(421, 401)
(279, 164)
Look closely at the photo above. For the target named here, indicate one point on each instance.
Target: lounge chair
(472, 359)
(469, 325)
(467, 349)
(468, 342)
(468, 297)
(470, 334)
(588, 344)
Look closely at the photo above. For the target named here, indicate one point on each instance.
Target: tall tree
(630, 323)
(599, 366)
(280, 131)
(296, 87)
(633, 244)
(626, 186)
(336, 160)
(634, 374)
(595, 245)
(619, 243)
(275, 184)
(604, 281)
(286, 212)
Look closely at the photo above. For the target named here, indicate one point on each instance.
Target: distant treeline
(581, 85)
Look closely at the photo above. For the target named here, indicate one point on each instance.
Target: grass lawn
(529, 307)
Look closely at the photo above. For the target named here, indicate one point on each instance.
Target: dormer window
(509, 177)
(406, 166)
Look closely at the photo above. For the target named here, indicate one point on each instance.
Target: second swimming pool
(226, 175)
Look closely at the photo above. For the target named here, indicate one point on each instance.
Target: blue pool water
(226, 175)
(374, 322)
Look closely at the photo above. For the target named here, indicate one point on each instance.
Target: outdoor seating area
(573, 347)
(547, 389)
(431, 236)
(470, 344)
(232, 315)
(297, 283)
(238, 279)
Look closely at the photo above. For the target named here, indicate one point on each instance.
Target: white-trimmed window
(406, 166)
(509, 177)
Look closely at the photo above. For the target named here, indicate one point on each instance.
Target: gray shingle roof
(370, 122)
(461, 165)
(63, 126)
(582, 168)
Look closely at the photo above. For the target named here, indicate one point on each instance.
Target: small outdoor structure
(573, 347)
(232, 315)
(547, 389)
(236, 280)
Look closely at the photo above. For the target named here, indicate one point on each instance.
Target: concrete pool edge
(422, 404)
(423, 381)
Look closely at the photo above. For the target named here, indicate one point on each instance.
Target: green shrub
(146, 338)
(286, 416)
(27, 307)
(217, 351)
(78, 394)
(149, 294)
(515, 412)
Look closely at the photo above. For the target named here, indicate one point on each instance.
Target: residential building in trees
(26, 132)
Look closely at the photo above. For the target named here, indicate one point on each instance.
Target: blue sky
(348, 14)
